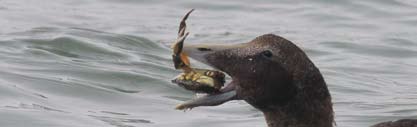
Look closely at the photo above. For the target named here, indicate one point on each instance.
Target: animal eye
(267, 53)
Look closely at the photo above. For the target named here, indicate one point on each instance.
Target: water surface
(107, 63)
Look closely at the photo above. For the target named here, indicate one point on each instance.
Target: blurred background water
(107, 63)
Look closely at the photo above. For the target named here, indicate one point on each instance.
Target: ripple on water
(121, 122)
(104, 67)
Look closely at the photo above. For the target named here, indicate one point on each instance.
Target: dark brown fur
(286, 87)
(398, 123)
(275, 76)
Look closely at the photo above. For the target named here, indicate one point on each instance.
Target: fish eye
(267, 53)
(204, 49)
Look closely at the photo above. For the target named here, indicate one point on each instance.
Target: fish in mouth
(198, 80)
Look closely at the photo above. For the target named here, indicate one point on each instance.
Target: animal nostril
(204, 49)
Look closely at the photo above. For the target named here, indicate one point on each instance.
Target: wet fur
(287, 87)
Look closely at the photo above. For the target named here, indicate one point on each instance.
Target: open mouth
(201, 80)
(206, 81)
(211, 83)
